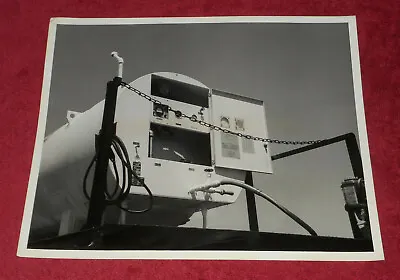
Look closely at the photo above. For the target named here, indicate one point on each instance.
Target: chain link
(193, 118)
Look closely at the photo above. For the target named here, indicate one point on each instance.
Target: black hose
(120, 150)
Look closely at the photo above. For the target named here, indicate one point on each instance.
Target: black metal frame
(356, 164)
(103, 140)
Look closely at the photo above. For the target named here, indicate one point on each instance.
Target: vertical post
(356, 165)
(354, 154)
(251, 204)
(103, 148)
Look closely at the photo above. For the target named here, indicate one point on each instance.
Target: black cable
(126, 169)
(116, 178)
(119, 149)
(131, 173)
(85, 177)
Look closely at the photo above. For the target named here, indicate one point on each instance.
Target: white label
(230, 146)
(239, 124)
(225, 122)
(248, 146)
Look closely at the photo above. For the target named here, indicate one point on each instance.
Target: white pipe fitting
(120, 61)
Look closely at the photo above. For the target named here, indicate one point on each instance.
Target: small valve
(178, 114)
(218, 191)
(160, 111)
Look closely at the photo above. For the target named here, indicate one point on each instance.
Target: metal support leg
(251, 204)
(103, 148)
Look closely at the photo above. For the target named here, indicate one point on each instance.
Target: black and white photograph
(202, 138)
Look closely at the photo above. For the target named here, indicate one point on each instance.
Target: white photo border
(376, 255)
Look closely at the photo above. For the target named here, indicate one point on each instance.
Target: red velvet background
(23, 33)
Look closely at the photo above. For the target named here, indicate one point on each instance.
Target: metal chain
(194, 119)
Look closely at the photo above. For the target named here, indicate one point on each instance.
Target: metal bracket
(71, 115)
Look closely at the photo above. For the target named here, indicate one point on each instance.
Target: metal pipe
(261, 194)
(120, 61)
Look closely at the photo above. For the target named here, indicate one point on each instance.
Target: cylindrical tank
(68, 151)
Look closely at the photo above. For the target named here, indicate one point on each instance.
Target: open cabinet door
(243, 115)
